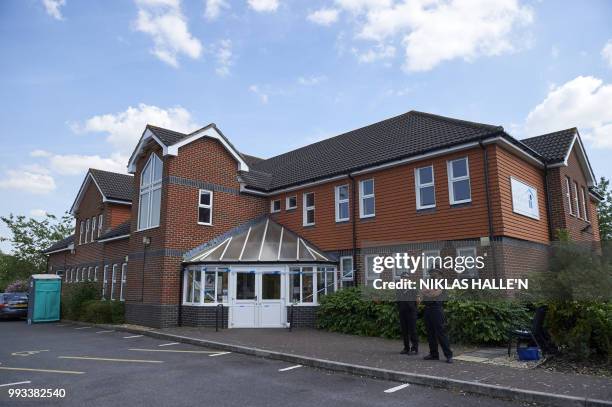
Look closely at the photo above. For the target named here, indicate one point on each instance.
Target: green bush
(581, 329)
(103, 312)
(75, 296)
(469, 321)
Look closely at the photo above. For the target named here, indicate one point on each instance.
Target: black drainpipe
(548, 209)
(354, 224)
(488, 199)
(144, 262)
(180, 303)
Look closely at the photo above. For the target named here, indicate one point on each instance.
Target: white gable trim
(84, 185)
(208, 131)
(582, 159)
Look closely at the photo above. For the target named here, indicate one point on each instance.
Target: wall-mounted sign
(524, 199)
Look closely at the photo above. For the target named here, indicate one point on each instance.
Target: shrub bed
(81, 302)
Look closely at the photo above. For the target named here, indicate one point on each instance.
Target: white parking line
(172, 351)
(220, 354)
(15, 384)
(40, 370)
(110, 359)
(396, 388)
(60, 325)
(169, 344)
(84, 327)
(103, 332)
(289, 368)
(133, 336)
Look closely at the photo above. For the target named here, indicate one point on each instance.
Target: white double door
(258, 298)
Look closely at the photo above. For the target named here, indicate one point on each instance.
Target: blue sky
(79, 80)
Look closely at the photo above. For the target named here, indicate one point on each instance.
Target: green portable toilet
(44, 298)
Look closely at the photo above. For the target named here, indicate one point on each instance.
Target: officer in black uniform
(434, 322)
(407, 307)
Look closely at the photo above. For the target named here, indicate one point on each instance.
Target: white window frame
(272, 202)
(89, 270)
(105, 282)
(113, 282)
(347, 275)
(201, 205)
(584, 204)
(288, 200)
(326, 290)
(96, 273)
(363, 197)
(76, 277)
(123, 281)
(576, 199)
(202, 273)
(419, 185)
(428, 253)
(369, 277)
(314, 285)
(474, 271)
(100, 223)
(81, 231)
(93, 228)
(342, 201)
(87, 224)
(149, 187)
(452, 179)
(568, 195)
(308, 208)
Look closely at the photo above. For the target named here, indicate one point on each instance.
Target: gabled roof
(118, 232)
(401, 136)
(261, 240)
(61, 245)
(171, 141)
(553, 146)
(113, 187)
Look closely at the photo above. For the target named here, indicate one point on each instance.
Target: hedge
(81, 302)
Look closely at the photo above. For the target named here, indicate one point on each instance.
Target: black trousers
(408, 323)
(436, 333)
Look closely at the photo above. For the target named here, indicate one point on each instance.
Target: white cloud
(39, 153)
(38, 213)
(123, 129)
(224, 57)
(432, 32)
(311, 80)
(262, 96)
(606, 52)
(381, 51)
(262, 6)
(28, 179)
(164, 21)
(324, 16)
(554, 52)
(214, 7)
(53, 8)
(75, 164)
(584, 102)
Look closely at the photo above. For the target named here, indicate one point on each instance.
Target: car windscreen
(15, 297)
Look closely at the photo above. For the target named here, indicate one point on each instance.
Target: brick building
(199, 224)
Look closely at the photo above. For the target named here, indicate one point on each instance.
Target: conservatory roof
(259, 241)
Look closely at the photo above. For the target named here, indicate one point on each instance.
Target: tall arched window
(150, 193)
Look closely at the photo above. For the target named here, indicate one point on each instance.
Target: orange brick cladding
(153, 278)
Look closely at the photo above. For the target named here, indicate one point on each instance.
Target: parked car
(14, 305)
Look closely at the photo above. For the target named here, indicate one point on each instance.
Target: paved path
(102, 367)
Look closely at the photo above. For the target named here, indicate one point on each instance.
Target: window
(425, 189)
(342, 203)
(568, 195)
(326, 281)
(123, 280)
(584, 205)
(524, 199)
(100, 222)
(83, 271)
(89, 272)
(96, 273)
(87, 230)
(93, 228)
(205, 207)
(81, 231)
(291, 202)
(71, 275)
(346, 268)
(576, 202)
(113, 281)
(150, 193)
(431, 260)
(459, 181)
(309, 209)
(369, 266)
(76, 277)
(275, 206)
(366, 198)
(104, 282)
(207, 286)
(301, 285)
(468, 252)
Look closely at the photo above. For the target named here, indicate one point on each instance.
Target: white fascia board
(65, 249)
(77, 201)
(514, 148)
(116, 201)
(213, 133)
(110, 239)
(583, 159)
(148, 134)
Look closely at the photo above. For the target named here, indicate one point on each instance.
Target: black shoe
(449, 360)
(404, 352)
(414, 350)
(431, 357)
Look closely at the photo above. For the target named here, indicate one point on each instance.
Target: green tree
(604, 210)
(29, 237)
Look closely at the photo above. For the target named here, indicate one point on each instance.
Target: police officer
(407, 307)
(434, 322)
